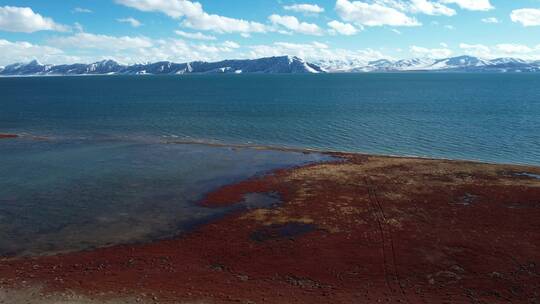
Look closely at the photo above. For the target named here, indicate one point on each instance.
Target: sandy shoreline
(362, 229)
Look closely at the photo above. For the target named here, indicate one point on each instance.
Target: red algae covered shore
(364, 229)
(6, 136)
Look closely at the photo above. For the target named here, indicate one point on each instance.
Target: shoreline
(339, 153)
(330, 152)
(363, 228)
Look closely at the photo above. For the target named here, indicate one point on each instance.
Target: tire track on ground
(388, 247)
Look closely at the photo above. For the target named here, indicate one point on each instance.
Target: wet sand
(363, 229)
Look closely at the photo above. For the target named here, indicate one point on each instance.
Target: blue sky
(183, 30)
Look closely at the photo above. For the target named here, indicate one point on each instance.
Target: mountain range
(453, 64)
(270, 65)
(276, 65)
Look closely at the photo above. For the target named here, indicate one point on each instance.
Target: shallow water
(69, 195)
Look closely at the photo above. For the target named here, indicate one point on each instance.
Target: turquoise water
(488, 117)
(102, 171)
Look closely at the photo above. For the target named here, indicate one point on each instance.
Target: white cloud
(490, 20)
(472, 5)
(220, 24)
(172, 8)
(374, 14)
(21, 51)
(195, 36)
(82, 10)
(314, 51)
(477, 50)
(177, 50)
(215, 49)
(231, 44)
(132, 21)
(304, 8)
(292, 23)
(526, 16)
(502, 50)
(23, 19)
(430, 8)
(346, 29)
(513, 49)
(93, 47)
(195, 17)
(430, 53)
(101, 42)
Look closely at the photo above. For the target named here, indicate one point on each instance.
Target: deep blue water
(104, 174)
(488, 117)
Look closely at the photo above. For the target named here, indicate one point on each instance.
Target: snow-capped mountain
(453, 64)
(270, 65)
(276, 65)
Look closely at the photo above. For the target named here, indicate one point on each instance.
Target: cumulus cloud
(293, 24)
(132, 21)
(304, 8)
(195, 36)
(24, 19)
(526, 16)
(372, 14)
(472, 5)
(195, 17)
(435, 53)
(341, 28)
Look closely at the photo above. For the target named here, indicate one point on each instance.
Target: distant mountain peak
(34, 62)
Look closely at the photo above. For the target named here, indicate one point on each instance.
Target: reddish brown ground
(365, 230)
(4, 136)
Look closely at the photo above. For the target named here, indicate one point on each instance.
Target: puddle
(289, 230)
(526, 174)
(466, 200)
(260, 200)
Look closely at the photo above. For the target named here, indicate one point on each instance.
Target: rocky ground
(363, 229)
